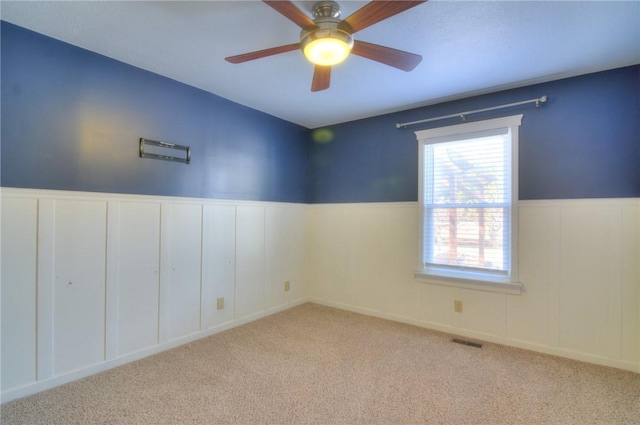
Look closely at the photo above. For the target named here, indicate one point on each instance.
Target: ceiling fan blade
(321, 78)
(290, 11)
(396, 58)
(262, 53)
(374, 12)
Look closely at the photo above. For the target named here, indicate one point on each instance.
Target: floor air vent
(464, 342)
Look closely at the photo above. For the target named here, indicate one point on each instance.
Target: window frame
(459, 277)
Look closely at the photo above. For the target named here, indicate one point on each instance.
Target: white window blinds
(467, 201)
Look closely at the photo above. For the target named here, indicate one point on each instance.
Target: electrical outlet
(220, 303)
(457, 306)
(287, 285)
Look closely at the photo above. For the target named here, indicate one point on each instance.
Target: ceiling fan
(326, 40)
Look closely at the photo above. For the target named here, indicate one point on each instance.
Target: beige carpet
(318, 365)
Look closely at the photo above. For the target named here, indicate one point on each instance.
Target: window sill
(469, 281)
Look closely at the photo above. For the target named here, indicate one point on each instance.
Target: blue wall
(71, 120)
(583, 143)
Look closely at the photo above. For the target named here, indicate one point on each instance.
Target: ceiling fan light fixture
(326, 40)
(326, 47)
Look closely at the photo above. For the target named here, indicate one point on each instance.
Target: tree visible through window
(467, 197)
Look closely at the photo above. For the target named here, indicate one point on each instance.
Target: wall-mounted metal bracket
(163, 150)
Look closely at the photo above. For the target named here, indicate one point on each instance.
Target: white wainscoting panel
(630, 303)
(437, 302)
(285, 241)
(137, 274)
(483, 312)
(250, 256)
(45, 284)
(277, 256)
(218, 264)
(297, 242)
(403, 299)
(534, 316)
(578, 263)
(91, 281)
(585, 279)
(19, 249)
(181, 241)
(79, 284)
(367, 247)
(330, 254)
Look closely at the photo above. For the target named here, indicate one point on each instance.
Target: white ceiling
(468, 47)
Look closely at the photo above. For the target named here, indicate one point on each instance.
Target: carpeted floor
(318, 365)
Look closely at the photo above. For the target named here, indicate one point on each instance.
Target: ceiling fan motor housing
(326, 9)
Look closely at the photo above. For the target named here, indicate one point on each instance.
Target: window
(468, 201)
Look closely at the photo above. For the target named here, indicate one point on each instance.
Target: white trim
(470, 127)
(579, 202)
(399, 204)
(472, 282)
(14, 192)
(459, 279)
(515, 223)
